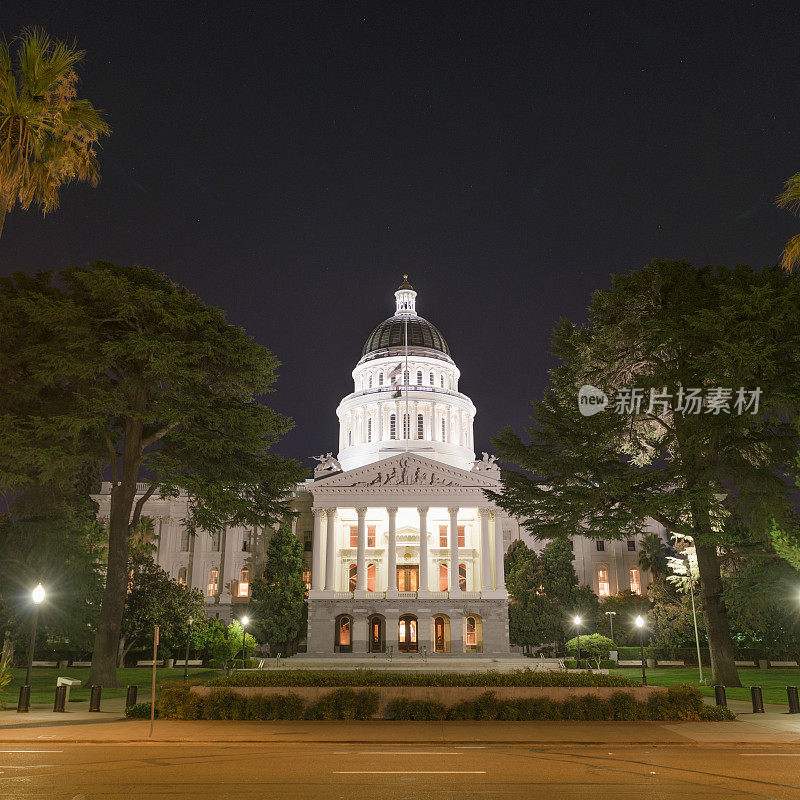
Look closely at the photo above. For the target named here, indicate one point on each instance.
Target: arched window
(431, 379)
(213, 582)
(369, 430)
(182, 576)
(343, 639)
(407, 634)
(370, 381)
(380, 379)
(471, 637)
(473, 634)
(419, 377)
(420, 426)
(353, 578)
(371, 571)
(406, 431)
(441, 634)
(442, 577)
(244, 582)
(392, 426)
(444, 430)
(442, 381)
(462, 577)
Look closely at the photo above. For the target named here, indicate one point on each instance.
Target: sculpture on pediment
(403, 474)
(487, 466)
(328, 465)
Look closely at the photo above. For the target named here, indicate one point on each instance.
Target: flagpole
(406, 379)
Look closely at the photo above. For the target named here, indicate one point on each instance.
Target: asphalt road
(389, 772)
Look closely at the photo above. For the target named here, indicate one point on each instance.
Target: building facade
(403, 553)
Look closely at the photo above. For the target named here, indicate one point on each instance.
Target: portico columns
(316, 550)
(424, 585)
(499, 566)
(361, 560)
(330, 552)
(453, 574)
(486, 552)
(392, 560)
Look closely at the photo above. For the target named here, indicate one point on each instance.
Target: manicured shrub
(177, 702)
(463, 710)
(533, 708)
(417, 710)
(344, 704)
(139, 711)
(716, 714)
(487, 706)
(224, 704)
(274, 706)
(625, 706)
(596, 708)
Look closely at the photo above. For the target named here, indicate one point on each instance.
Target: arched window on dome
(406, 427)
(444, 430)
(420, 426)
(441, 380)
(370, 381)
(392, 426)
(380, 379)
(432, 381)
(419, 377)
(369, 430)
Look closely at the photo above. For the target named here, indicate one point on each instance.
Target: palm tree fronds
(790, 197)
(790, 257)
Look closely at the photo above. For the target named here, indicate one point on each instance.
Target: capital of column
(392, 511)
(453, 511)
(422, 510)
(318, 511)
(362, 512)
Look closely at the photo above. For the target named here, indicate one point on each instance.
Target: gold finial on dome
(405, 284)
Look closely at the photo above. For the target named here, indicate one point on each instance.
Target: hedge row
(678, 703)
(526, 677)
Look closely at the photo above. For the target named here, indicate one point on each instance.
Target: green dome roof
(391, 333)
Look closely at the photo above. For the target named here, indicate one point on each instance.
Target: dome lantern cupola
(406, 299)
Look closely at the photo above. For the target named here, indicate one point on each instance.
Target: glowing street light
(577, 622)
(37, 595)
(640, 625)
(244, 620)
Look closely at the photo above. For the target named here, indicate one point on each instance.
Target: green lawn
(773, 682)
(43, 682)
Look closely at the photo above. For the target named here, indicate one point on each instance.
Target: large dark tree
(669, 328)
(124, 358)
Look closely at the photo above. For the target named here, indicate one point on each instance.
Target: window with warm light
(462, 577)
(343, 637)
(636, 584)
(182, 576)
(307, 578)
(370, 535)
(371, 573)
(443, 536)
(442, 577)
(471, 638)
(353, 578)
(603, 586)
(408, 578)
(213, 582)
(354, 536)
(244, 582)
(462, 536)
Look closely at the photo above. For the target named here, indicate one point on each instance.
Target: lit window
(420, 426)
(244, 582)
(472, 632)
(371, 577)
(392, 426)
(636, 584)
(603, 586)
(443, 536)
(442, 577)
(307, 578)
(462, 536)
(182, 576)
(343, 631)
(371, 535)
(601, 545)
(354, 536)
(631, 545)
(462, 577)
(213, 579)
(353, 578)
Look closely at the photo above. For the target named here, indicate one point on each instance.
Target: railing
(342, 595)
(407, 595)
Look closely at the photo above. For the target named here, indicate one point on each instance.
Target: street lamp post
(611, 615)
(186, 658)
(577, 621)
(694, 617)
(37, 595)
(640, 626)
(244, 621)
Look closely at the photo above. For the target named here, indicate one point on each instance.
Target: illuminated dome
(392, 333)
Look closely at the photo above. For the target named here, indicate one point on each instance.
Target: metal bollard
(130, 696)
(719, 695)
(61, 698)
(758, 701)
(94, 698)
(24, 703)
(794, 702)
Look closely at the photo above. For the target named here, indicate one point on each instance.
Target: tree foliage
(665, 329)
(592, 645)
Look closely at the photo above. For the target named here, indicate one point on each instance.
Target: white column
(453, 549)
(316, 550)
(330, 552)
(361, 561)
(486, 552)
(424, 583)
(499, 566)
(391, 585)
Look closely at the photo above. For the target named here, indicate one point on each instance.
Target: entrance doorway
(408, 578)
(407, 634)
(377, 634)
(441, 634)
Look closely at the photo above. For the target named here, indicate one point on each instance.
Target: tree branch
(159, 434)
(137, 509)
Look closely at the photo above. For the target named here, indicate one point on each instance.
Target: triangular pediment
(407, 469)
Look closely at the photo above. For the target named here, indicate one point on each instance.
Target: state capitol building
(403, 553)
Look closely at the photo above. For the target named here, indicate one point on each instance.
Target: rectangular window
(371, 574)
(406, 427)
(215, 538)
(408, 578)
(442, 577)
(354, 536)
(246, 541)
(420, 426)
(462, 536)
(370, 536)
(308, 541)
(244, 582)
(307, 578)
(636, 584)
(632, 545)
(603, 586)
(213, 578)
(601, 545)
(443, 536)
(184, 541)
(462, 577)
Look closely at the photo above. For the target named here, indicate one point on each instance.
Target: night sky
(289, 161)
